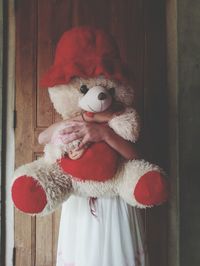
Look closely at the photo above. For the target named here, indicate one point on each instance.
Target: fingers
(72, 131)
(88, 132)
(67, 130)
(85, 142)
(72, 127)
(70, 137)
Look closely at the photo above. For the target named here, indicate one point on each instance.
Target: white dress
(112, 236)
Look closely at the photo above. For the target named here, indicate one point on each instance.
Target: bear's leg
(28, 196)
(143, 184)
(151, 189)
(39, 187)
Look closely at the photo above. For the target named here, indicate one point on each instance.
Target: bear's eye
(84, 89)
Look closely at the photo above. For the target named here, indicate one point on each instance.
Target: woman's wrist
(107, 134)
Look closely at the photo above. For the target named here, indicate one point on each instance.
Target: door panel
(25, 94)
(139, 28)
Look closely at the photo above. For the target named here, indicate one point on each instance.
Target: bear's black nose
(102, 96)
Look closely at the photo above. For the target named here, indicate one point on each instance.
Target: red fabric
(92, 204)
(89, 114)
(85, 52)
(151, 189)
(99, 163)
(28, 196)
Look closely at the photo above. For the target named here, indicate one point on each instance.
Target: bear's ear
(112, 91)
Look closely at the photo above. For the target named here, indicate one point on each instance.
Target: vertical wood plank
(25, 86)
(155, 133)
(43, 118)
(189, 129)
(94, 13)
(56, 223)
(45, 13)
(127, 26)
(172, 88)
(63, 11)
(44, 241)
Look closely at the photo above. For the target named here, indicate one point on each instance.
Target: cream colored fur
(126, 125)
(52, 153)
(132, 171)
(65, 97)
(56, 184)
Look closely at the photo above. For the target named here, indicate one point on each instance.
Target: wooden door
(139, 28)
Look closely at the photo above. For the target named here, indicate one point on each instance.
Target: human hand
(58, 134)
(60, 138)
(88, 132)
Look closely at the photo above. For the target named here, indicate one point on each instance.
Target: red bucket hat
(85, 52)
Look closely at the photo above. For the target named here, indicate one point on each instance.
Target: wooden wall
(189, 130)
(172, 88)
(139, 28)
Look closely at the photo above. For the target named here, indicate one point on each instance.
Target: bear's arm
(126, 125)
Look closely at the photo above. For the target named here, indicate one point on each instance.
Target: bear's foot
(151, 189)
(28, 196)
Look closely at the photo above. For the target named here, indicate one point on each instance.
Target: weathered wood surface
(25, 91)
(189, 129)
(172, 88)
(155, 129)
(139, 29)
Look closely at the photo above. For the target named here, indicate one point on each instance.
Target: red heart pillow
(99, 163)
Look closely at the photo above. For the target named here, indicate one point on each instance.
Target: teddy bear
(87, 77)
(97, 105)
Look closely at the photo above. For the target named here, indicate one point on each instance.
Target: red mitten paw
(28, 196)
(151, 189)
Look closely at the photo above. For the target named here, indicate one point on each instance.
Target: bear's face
(96, 99)
(70, 99)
